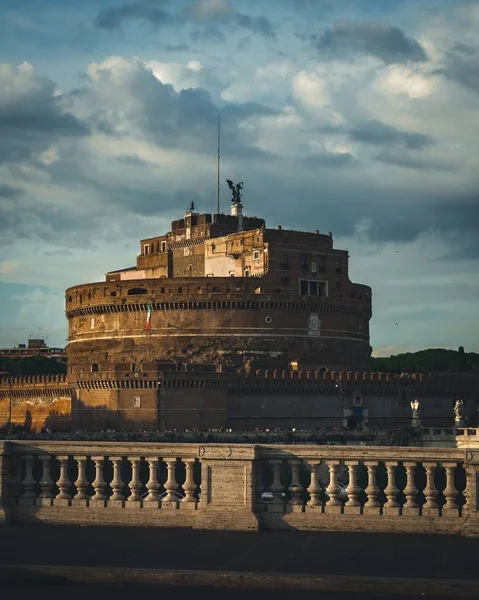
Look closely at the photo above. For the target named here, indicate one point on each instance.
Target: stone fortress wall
(166, 396)
(223, 289)
(250, 327)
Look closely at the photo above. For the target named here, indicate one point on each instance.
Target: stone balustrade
(243, 486)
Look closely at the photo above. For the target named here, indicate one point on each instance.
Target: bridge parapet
(241, 486)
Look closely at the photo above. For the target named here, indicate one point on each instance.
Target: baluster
(46, 483)
(466, 493)
(411, 507)
(171, 500)
(276, 504)
(295, 488)
(334, 504)
(314, 489)
(430, 508)
(64, 483)
(259, 479)
(81, 483)
(450, 492)
(353, 506)
(392, 506)
(153, 485)
(117, 484)
(372, 505)
(28, 481)
(99, 484)
(135, 483)
(190, 486)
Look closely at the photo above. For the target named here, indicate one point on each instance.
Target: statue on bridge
(458, 413)
(416, 421)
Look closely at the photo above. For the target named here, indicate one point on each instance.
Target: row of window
(315, 266)
(154, 247)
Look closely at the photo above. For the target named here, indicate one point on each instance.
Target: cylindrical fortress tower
(225, 292)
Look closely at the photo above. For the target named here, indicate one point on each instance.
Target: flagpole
(218, 170)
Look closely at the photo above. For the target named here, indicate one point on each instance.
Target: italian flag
(148, 317)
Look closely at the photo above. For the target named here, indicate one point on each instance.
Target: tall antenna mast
(218, 189)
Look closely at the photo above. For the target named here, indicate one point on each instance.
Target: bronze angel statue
(235, 191)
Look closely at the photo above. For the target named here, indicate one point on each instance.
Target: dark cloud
(462, 66)
(32, 114)
(260, 25)
(7, 191)
(197, 12)
(127, 97)
(331, 159)
(381, 40)
(148, 10)
(376, 132)
(404, 159)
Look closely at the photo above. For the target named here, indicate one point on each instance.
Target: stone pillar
(99, 484)
(28, 483)
(277, 503)
(430, 508)
(334, 504)
(314, 489)
(46, 482)
(392, 507)
(450, 509)
(153, 484)
(411, 507)
(135, 483)
(171, 500)
(63, 483)
(117, 485)
(372, 505)
(228, 488)
(5, 502)
(352, 506)
(295, 488)
(81, 483)
(189, 486)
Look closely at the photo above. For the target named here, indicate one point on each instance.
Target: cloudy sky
(358, 117)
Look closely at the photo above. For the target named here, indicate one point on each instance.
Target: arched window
(136, 291)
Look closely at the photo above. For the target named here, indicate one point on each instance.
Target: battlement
(333, 376)
(26, 380)
(135, 294)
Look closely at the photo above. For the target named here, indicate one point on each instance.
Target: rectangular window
(92, 323)
(256, 255)
(313, 288)
(147, 249)
(303, 287)
(285, 259)
(313, 267)
(304, 263)
(95, 367)
(163, 246)
(137, 402)
(112, 293)
(284, 278)
(338, 267)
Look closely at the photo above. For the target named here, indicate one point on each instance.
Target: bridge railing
(243, 486)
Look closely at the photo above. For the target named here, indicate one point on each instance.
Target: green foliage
(32, 365)
(428, 361)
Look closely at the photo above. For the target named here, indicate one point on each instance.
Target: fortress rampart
(196, 396)
(224, 289)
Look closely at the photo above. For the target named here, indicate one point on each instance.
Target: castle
(224, 322)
